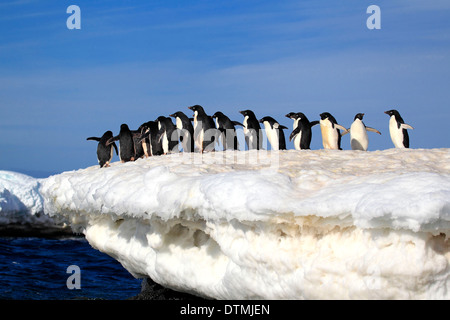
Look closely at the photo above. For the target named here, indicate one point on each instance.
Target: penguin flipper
(281, 127)
(115, 147)
(295, 132)
(373, 130)
(345, 132)
(144, 135)
(342, 128)
(313, 123)
(93, 138)
(111, 140)
(406, 126)
(237, 123)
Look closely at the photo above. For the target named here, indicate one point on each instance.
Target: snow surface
(20, 200)
(322, 224)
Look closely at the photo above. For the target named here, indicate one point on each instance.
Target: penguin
(204, 129)
(126, 144)
(168, 134)
(274, 132)
(145, 141)
(252, 130)
(397, 129)
(302, 130)
(104, 152)
(186, 131)
(227, 131)
(331, 136)
(358, 133)
(138, 145)
(150, 135)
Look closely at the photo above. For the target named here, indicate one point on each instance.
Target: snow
(20, 200)
(322, 224)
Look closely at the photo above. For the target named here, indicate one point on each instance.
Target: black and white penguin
(252, 130)
(138, 145)
(150, 135)
(331, 136)
(104, 152)
(185, 131)
(358, 133)
(126, 144)
(397, 129)
(302, 130)
(227, 131)
(205, 132)
(274, 132)
(168, 134)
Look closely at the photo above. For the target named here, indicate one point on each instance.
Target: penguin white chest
(396, 133)
(272, 135)
(179, 124)
(297, 140)
(330, 135)
(358, 136)
(245, 125)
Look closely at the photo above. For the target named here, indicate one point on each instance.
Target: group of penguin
(162, 136)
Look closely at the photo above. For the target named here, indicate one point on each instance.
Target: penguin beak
(387, 112)
(241, 112)
(192, 108)
(261, 121)
(172, 115)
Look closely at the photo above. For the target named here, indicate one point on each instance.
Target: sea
(35, 268)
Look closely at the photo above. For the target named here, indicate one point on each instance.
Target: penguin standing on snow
(274, 132)
(168, 134)
(227, 131)
(331, 136)
(302, 130)
(186, 131)
(204, 129)
(138, 145)
(104, 152)
(126, 144)
(252, 130)
(151, 139)
(358, 133)
(397, 129)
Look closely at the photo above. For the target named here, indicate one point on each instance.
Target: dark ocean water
(36, 269)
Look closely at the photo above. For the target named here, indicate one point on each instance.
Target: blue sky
(132, 61)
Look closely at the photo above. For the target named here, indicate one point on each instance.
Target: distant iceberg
(22, 207)
(322, 224)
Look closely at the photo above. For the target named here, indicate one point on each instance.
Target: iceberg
(22, 207)
(309, 224)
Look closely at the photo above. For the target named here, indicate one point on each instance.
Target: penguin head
(248, 113)
(291, 115)
(328, 116)
(124, 126)
(359, 116)
(218, 114)
(197, 108)
(107, 134)
(267, 119)
(392, 112)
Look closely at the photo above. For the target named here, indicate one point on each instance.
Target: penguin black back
(205, 132)
(227, 130)
(104, 151)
